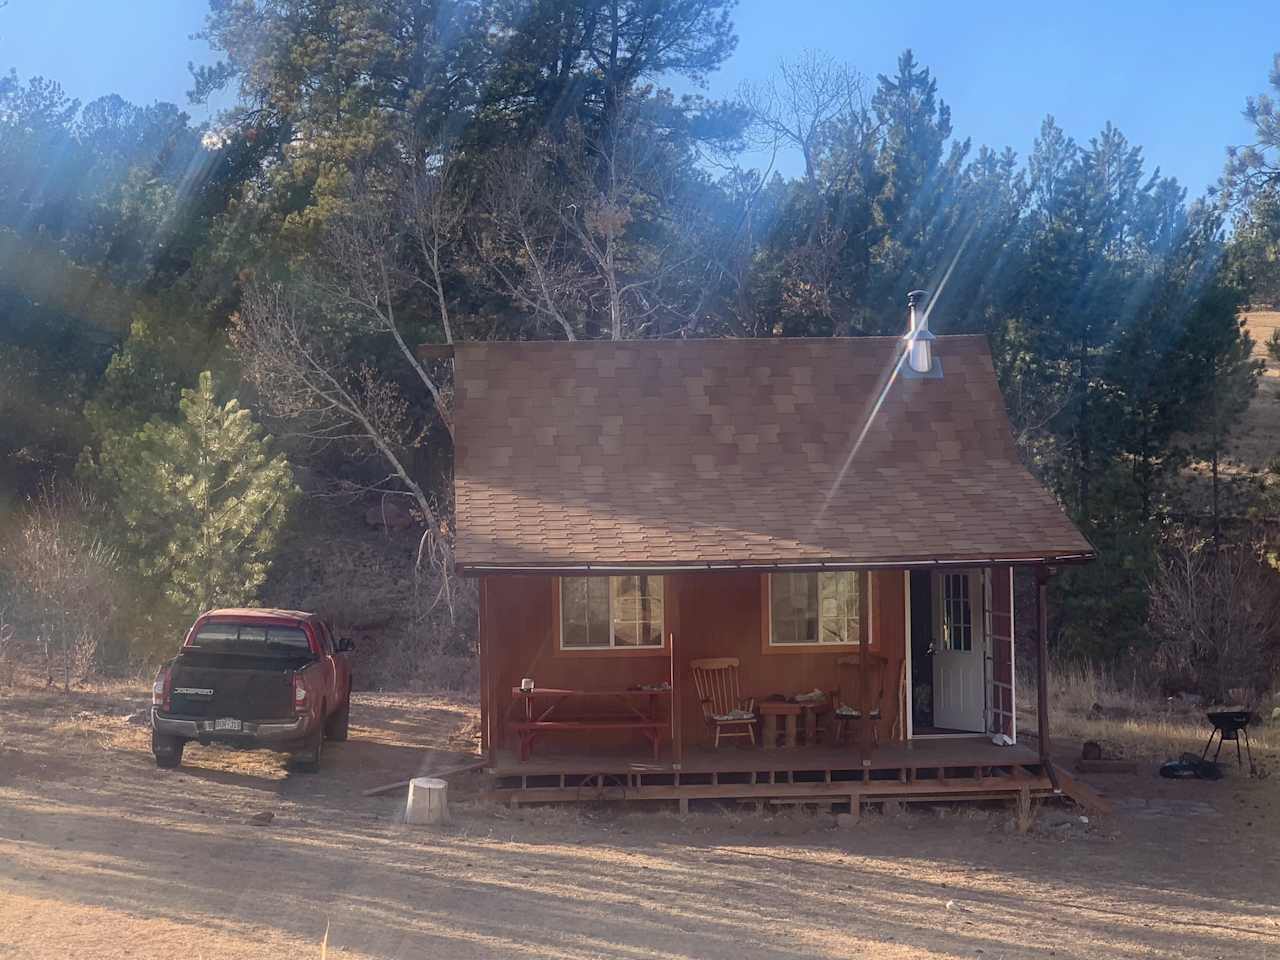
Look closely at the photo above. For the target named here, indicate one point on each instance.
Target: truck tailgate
(259, 692)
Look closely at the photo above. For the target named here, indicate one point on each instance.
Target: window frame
(866, 620)
(661, 649)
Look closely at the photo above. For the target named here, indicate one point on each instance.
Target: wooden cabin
(778, 570)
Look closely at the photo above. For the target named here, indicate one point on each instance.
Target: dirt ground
(104, 856)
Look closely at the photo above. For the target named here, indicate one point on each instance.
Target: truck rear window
(253, 640)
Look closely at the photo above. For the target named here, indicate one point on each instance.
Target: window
(251, 640)
(957, 614)
(604, 613)
(815, 608)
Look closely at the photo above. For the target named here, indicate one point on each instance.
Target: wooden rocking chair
(723, 706)
(846, 706)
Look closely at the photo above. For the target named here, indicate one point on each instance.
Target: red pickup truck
(257, 678)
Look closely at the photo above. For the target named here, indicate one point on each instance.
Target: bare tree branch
(300, 381)
(365, 270)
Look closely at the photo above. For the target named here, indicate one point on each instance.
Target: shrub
(1215, 614)
(64, 582)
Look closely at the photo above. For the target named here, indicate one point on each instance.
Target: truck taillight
(162, 689)
(299, 695)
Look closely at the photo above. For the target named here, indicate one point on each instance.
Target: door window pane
(957, 613)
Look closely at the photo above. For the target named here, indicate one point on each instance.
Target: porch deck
(916, 770)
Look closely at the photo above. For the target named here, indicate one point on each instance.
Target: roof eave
(779, 566)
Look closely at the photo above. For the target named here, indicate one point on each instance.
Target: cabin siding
(710, 614)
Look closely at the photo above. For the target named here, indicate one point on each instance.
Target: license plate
(225, 724)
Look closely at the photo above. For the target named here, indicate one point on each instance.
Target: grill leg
(1248, 748)
(1209, 743)
(1239, 759)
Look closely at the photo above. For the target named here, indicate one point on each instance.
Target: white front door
(958, 645)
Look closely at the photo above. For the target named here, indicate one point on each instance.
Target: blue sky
(1172, 76)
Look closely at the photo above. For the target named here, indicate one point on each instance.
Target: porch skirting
(918, 770)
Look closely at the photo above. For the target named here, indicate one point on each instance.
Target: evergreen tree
(1255, 247)
(583, 60)
(1256, 167)
(916, 200)
(200, 501)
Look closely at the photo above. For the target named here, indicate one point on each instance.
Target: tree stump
(428, 801)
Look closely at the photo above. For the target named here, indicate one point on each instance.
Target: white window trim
(871, 616)
(613, 645)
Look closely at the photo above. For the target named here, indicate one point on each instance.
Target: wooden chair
(846, 705)
(723, 706)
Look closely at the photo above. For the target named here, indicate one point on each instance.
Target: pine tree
(201, 501)
(920, 168)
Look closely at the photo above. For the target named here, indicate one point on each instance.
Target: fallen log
(438, 774)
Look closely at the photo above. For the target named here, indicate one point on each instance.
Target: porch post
(486, 709)
(1042, 661)
(866, 735)
(677, 737)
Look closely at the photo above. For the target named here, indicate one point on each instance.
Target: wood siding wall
(710, 614)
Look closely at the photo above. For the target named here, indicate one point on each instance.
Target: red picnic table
(542, 717)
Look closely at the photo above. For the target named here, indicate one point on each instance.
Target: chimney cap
(915, 296)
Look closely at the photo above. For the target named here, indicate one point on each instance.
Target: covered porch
(631, 723)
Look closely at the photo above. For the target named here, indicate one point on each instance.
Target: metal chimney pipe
(913, 298)
(919, 340)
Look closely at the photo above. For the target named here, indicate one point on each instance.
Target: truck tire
(308, 760)
(167, 750)
(335, 727)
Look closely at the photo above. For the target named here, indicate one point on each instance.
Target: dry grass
(1024, 812)
(1091, 703)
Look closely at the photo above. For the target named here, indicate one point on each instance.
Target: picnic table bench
(542, 718)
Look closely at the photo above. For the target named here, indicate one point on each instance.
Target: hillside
(1257, 440)
(362, 579)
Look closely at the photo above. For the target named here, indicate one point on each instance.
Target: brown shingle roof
(665, 453)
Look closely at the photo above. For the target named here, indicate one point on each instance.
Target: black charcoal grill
(1229, 725)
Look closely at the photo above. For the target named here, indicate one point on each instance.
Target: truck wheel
(335, 727)
(167, 749)
(309, 759)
